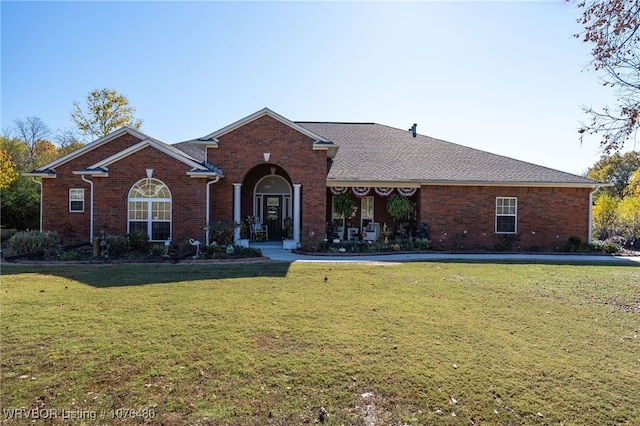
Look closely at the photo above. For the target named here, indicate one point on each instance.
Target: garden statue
(197, 244)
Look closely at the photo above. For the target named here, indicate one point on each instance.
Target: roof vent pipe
(414, 129)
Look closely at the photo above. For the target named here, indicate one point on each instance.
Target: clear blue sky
(505, 77)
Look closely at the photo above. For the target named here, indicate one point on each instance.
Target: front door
(273, 215)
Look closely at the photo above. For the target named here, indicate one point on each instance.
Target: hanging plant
(399, 207)
(344, 205)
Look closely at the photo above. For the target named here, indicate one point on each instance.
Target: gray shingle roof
(372, 152)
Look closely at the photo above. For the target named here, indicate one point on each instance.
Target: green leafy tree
(8, 171)
(617, 170)
(104, 112)
(605, 217)
(612, 29)
(629, 216)
(20, 204)
(633, 188)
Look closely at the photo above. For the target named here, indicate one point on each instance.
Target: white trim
(149, 206)
(514, 215)
(414, 184)
(93, 145)
(140, 146)
(91, 225)
(72, 199)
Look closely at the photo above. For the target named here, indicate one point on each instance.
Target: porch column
(296, 212)
(236, 210)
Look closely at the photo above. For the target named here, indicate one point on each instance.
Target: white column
(296, 212)
(236, 210)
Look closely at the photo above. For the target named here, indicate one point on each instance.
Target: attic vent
(414, 129)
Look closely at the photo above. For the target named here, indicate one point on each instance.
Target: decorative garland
(383, 192)
(360, 191)
(407, 192)
(337, 190)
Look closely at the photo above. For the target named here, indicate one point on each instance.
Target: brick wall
(55, 192)
(240, 156)
(546, 218)
(111, 193)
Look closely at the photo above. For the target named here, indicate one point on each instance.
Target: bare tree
(33, 131)
(612, 28)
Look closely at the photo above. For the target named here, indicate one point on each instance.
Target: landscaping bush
(611, 248)
(138, 241)
(70, 255)
(157, 250)
(422, 244)
(240, 251)
(222, 232)
(118, 245)
(573, 244)
(34, 242)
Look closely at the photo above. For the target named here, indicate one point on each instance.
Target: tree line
(29, 144)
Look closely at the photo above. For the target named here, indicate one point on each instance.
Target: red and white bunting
(360, 191)
(337, 190)
(407, 192)
(383, 192)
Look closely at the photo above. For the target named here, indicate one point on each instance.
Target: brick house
(287, 175)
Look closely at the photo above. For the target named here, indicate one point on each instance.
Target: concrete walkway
(274, 251)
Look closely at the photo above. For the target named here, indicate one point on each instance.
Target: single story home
(285, 176)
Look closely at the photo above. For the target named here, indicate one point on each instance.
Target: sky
(506, 77)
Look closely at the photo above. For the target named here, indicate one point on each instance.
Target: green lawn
(272, 343)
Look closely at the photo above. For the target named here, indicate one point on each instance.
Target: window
(76, 200)
(150, 209)
(506, 215)
(366, 209)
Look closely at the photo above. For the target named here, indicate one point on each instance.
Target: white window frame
(76, 195)
(365, 217)
(507, 210)
(145, 205)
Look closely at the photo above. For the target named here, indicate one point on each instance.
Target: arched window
(150, 209)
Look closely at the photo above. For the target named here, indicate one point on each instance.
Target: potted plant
(344, 205)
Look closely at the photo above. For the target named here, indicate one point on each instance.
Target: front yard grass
(274, 343)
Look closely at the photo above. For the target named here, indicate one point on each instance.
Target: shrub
(573, 244)
(222, 232)
(422, 244)
(212, 249)
(70, 255)
(611, 248)
(157, 250)
(138, 240)
(34, 242)
(118, 245)
(240, 251)
(422, 232)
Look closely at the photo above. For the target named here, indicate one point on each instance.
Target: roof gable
(162, 147)
(212, 137)
(198, 168)
(91, 146)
